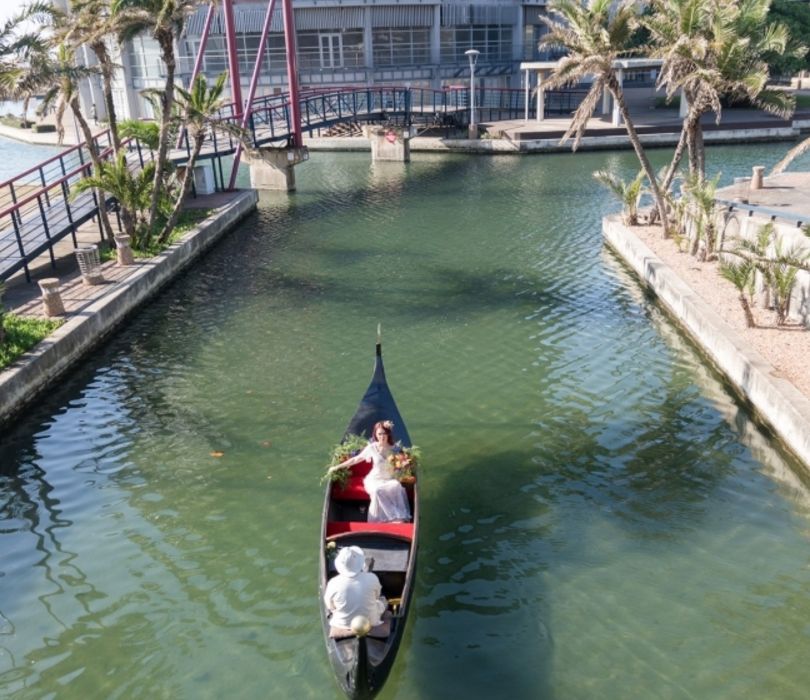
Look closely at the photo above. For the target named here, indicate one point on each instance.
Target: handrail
(756, 209)
(38, 193)
(62, 154)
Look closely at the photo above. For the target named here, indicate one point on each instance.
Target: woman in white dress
(389, 500)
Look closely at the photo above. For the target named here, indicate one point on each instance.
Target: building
(420, 43)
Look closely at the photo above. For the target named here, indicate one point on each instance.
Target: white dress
(389, 500)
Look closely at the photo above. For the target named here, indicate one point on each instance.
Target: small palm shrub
(628, 193)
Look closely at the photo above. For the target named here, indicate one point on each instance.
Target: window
(494, 41)
(330, 50)
(144, 59)
(401, 47)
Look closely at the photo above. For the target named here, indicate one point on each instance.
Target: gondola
(362, 663)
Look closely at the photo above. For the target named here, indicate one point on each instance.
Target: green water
(600, 518)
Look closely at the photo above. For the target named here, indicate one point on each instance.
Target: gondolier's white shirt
(349, 596)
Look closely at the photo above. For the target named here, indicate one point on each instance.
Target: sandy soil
(787, 348)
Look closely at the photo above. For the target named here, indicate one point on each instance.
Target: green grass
(22, 334)
(187, 221)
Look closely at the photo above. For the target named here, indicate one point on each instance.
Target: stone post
(123, 251)
(758, 177)
(52, 303)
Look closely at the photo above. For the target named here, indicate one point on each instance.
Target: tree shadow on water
(480, 624)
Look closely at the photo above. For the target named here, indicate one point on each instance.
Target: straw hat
(350, 561)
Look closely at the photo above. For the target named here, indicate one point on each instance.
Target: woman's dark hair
(383, 425)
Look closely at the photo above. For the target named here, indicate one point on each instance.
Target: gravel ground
(786, 348)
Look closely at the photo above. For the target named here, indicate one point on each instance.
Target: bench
(336, 528)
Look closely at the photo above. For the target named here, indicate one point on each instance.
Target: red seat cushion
(338, 527)
(354, 489)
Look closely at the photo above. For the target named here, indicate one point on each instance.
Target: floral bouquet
(404, 461)
(349, 447)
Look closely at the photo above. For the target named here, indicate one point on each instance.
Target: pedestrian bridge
(37, 209)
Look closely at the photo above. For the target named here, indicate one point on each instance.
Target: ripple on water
(598, 513)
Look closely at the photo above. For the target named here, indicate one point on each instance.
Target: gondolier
(353, 592)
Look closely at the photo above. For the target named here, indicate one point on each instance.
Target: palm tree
(799, 149)
(91, 23)
(164, 19)
(18, 43)
(628, 193)
(132, 190)
(198, 108)
(64, 76)
(713, 50)
(595, 34)
(699, 196)
(741, 275)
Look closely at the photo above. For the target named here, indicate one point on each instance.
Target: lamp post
(472, 54)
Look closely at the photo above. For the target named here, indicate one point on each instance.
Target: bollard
(90, 264)
(123, 251)
(758, 177)
(52, 303)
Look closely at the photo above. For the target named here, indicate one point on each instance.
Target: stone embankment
(774, 398)
(93, 312)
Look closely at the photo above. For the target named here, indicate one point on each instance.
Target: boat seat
(353, 489)
(335, 528)
(381, 631)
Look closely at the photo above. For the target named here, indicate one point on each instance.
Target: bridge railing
(38, 176)
(42, 210)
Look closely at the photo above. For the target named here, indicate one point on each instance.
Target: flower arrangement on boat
(404, 461)
(351, 446)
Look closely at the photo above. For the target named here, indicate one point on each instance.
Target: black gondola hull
(362, 665)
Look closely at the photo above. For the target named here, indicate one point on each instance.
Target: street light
(472, 54)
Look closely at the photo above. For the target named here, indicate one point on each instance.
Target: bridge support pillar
(272, 168)
(389, 143)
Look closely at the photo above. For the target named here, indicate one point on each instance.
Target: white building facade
(420, 43)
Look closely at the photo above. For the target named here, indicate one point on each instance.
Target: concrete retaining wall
(36, 370)
(776, 400)
(552, 145)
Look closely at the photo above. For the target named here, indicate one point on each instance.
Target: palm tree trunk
(749, 316)
(799, 149)
(660, 205)
(166, 41)
(199, 138)
(94, 156)
(700, 152)
(99, 48)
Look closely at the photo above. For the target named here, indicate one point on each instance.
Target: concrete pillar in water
(272, 168)
(389, 143)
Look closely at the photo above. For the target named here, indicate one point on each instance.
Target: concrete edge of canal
(517, 146)
(32, 373)
(777, 402)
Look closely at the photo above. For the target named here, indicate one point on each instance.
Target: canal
(601, 518)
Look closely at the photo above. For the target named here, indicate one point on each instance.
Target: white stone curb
(776, 400)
